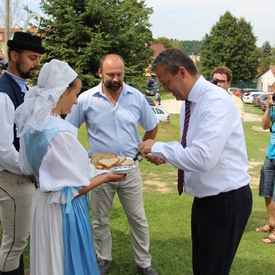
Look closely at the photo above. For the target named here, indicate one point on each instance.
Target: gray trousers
(130, 196)
(16, 193)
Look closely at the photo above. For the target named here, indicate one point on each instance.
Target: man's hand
(146, 146)
(145, 149)
(155, 160)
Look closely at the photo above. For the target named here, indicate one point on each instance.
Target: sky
(192, 19)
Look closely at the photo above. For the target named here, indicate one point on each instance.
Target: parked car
(264, 105)
(258, 99)
(152, 87)
(150, 101)
(246, 91)
(161, 114)
(249, 96)
(232, 90)
(237, 92)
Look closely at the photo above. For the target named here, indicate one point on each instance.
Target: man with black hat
(16, 189)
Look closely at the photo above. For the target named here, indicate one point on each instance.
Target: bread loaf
(109, 163)
(107, 160)
(127, 162)
(104, 155)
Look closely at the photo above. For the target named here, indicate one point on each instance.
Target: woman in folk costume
(61, 237)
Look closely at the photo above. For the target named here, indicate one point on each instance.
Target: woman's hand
(115, 177)
(94, 182)
(270, 100)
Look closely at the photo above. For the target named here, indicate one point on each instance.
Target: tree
(230, 43)
(192, 46)
(177, 44)
(166, 42)
(266, 49)
(80, 32)
(16, 14)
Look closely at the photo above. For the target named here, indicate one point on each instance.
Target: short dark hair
(171, 59)
(223, 70)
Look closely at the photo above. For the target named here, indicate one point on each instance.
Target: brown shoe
(266, 228)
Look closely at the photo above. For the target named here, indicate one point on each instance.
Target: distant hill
(192, 46)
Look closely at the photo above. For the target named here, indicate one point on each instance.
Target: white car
(249, 97)
(161, 114)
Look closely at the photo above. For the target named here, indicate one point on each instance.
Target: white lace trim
(59, 197)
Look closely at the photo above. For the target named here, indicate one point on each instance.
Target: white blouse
(66, 163)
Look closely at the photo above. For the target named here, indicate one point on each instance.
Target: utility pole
(7, 25)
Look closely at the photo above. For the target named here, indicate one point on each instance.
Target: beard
(25, 74)
(112, 86)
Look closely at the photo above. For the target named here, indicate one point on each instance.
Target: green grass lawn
(169, 215)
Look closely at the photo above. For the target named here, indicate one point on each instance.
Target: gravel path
(173, 106)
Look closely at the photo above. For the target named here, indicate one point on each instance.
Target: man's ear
(99, 72)
(13, 56)
(182, 71)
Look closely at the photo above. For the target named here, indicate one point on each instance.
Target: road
(173, 106)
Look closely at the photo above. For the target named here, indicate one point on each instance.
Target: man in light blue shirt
(112, 112)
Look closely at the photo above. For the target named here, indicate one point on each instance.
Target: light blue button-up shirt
(113, 128)
(20, 81)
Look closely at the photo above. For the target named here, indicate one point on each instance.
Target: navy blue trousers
(217, 225)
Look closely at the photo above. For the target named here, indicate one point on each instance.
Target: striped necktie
(183, 143)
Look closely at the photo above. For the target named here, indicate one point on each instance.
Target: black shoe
(103, 266)
(147, 270)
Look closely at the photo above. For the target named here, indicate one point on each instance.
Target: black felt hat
(26, 41)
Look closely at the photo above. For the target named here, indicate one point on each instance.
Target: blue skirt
(79, 253)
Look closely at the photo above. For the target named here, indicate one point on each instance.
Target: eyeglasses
(221, 80)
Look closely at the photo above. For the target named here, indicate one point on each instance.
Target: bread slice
(127, 162)
(99, 167)
(103, 155)
(121, 160)
(109, 163)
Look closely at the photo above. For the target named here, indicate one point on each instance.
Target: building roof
(157, 48)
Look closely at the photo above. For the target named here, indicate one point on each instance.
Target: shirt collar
(20, 81)
(125, 89)
(193, 94)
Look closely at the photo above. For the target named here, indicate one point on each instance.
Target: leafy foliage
(192, 46)
(80, 32)
(266, 49)
(167, 43)
(230, 43)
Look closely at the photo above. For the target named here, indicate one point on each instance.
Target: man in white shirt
(214, 162)
(16, 190)
(223, 76)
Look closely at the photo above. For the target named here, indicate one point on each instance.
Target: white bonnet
(54, 78)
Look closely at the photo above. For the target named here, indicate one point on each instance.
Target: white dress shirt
(215, 158)
(8, 153)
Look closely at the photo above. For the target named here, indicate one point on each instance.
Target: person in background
(61, 236)
(158, 98)
(267, 177)
(16, 189)
(3, 63)
(224, 78)
(112, 112)
(208, 159)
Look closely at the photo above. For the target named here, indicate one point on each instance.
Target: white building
(265, 80)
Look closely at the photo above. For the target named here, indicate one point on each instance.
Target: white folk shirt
(215, 158)
(66, 163)
(8, 153)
